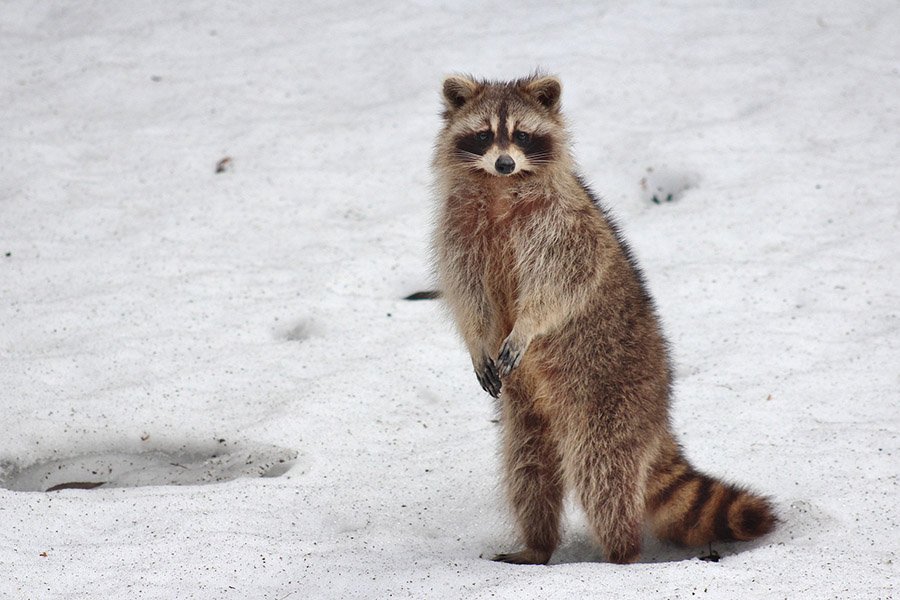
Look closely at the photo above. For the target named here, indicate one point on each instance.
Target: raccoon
(560, 327)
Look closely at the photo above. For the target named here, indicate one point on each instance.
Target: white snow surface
(161, 323)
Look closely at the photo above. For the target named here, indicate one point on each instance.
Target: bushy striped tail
(693, 509)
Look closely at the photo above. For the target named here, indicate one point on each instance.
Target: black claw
(508, 359)
(489, 378)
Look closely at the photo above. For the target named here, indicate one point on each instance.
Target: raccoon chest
(501, 282)
(486, 248)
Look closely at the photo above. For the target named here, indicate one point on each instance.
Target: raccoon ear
(458, 90)
(546, 90)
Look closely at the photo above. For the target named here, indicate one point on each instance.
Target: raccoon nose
(505, 164)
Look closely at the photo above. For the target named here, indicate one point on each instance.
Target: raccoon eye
(522, 138)
(483, 137)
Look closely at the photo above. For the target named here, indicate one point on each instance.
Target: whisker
(466, 155)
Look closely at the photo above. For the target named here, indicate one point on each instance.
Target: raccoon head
(503, 128)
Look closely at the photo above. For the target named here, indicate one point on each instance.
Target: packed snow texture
(151, 306)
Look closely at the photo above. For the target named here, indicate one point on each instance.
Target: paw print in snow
(661, 184)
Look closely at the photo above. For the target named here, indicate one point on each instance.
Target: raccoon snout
(505, 164)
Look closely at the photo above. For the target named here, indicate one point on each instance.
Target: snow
(165, 324)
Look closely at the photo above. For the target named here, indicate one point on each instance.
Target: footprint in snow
(662, 184)
(186, 466)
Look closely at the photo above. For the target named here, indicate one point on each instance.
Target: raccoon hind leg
(611, 496)
(609, 476)
(533, 476)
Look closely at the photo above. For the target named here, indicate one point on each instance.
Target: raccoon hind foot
(524, 557)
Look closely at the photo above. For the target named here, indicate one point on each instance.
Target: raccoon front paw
(510, 355)
(488, 377)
